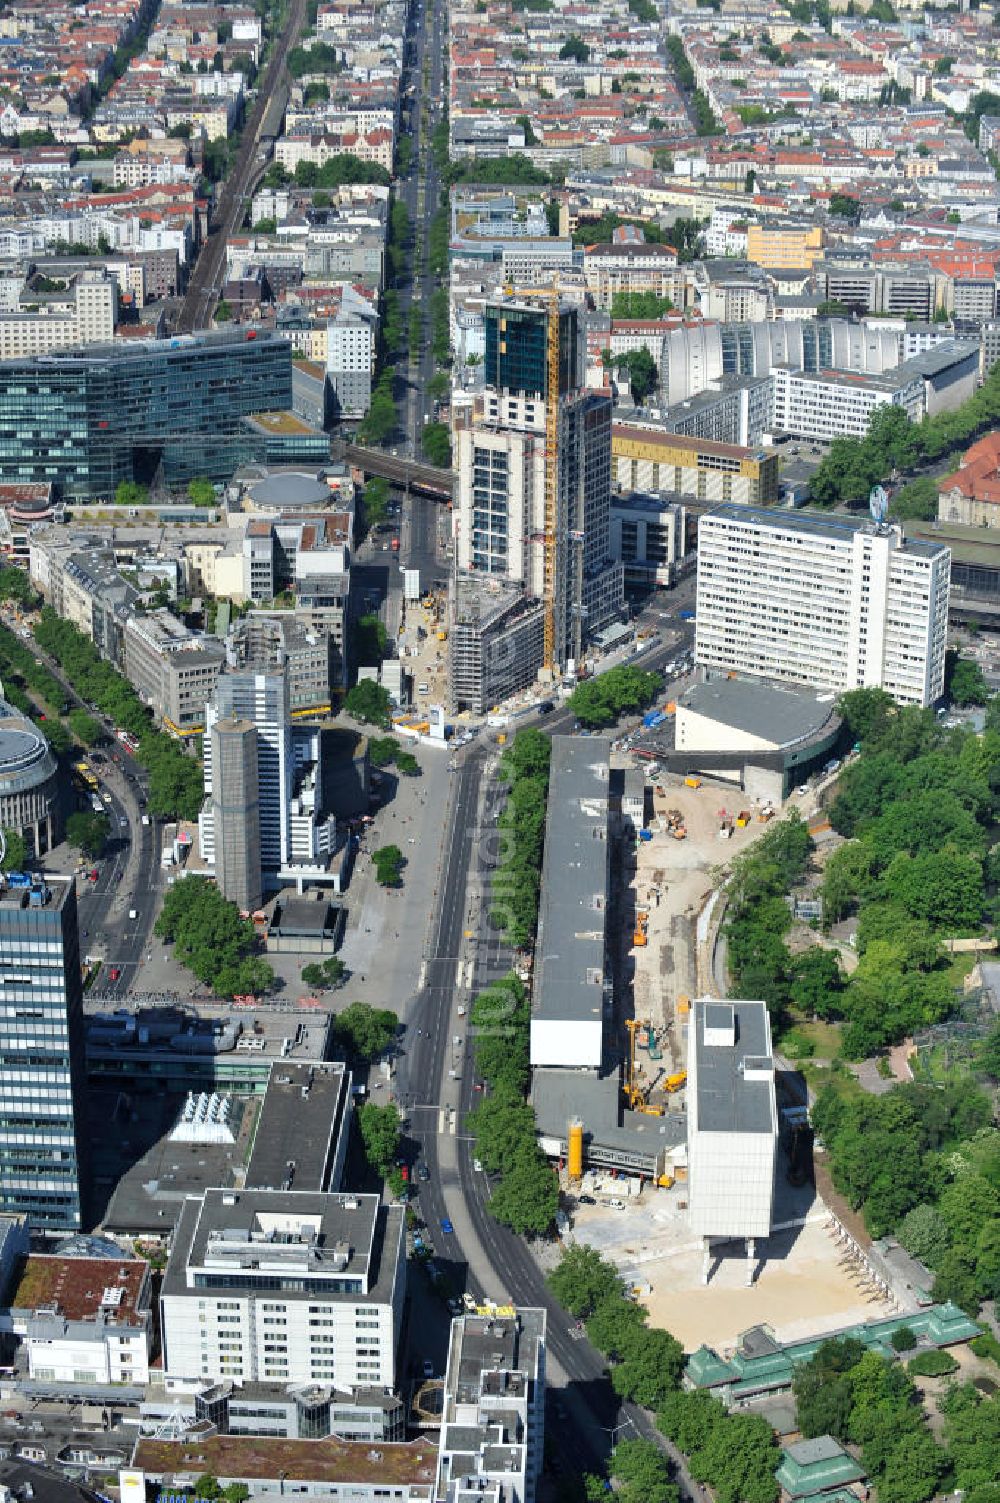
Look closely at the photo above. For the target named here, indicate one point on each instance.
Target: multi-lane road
(436, 1086)
(129, 868)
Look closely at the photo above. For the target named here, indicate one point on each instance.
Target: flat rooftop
(666, 438)
(305, 917)
(771, 711)
(174, 1031)
(838, 529)
(734, 1071)
(569, 955)
(281, 422)
(261, 1459)
(302, 1116)
(81, 1289)
(16, 899)
(174, 348)
(559, 1095)
(288, 1234)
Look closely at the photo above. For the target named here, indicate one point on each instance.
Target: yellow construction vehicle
(675, 1082)
(636, 1095)
(665, 1181)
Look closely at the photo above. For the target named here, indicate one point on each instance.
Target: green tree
(642, 372)
(435, 440)
(574, 49)
(914, 1466)
(211, 939)
(527, 1197)
(924, 1233)
(368, 702)
(650, 1367)
(223, 312)
(85, 728)
(600, 701)
(365, 1031)
(370, 640)
(382, 750)
(582, 1280)
(641, 305)
(389, 863)
(15, 851)
(201, 492)
(641, 1472)
(846, 207)
(376, 500)
(128, 493)
(816, 983)
(615, 1325)
(88, 832)
(966, 684)
(379, 1128)
(15, 585)
(407, 764)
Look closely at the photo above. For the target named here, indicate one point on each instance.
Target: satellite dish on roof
(878, 504)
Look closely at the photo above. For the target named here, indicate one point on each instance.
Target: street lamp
(613, 1430)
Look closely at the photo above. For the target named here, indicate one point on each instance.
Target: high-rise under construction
(533, 468)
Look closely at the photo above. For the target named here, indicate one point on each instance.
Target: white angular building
(831, 601)
(492, 1423)
(284, 1286)
(732, 1123)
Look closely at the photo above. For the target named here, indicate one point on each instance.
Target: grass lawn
(959, 966)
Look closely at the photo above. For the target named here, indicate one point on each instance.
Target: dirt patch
(804, 1283)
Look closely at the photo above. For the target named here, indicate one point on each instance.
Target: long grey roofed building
(567, 1018)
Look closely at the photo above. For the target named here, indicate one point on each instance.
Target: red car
(114, 973)
(93, 874)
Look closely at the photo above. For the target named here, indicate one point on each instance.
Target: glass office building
(88, 419)
(516, 357)
(42, 1084)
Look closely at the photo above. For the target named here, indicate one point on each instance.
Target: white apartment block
(493, 1416)
(835, 404)
(832, 602)
(284, 1286)
(501, 490)
(86, 315)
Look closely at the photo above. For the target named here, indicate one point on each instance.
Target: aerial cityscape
(499, 751)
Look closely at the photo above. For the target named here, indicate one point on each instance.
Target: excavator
(636, 1095)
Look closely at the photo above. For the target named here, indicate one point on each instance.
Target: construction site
(807, 1275)
(670, 883)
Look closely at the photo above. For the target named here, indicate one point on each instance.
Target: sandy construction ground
(804, 1283)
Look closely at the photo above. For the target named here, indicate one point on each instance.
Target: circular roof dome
(285, 492)
(25, 757)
